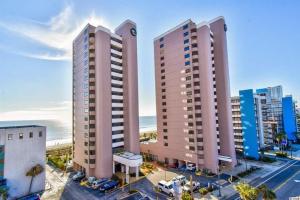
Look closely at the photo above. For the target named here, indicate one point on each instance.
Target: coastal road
(280, 181)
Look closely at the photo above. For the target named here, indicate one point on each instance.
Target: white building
(21, 148)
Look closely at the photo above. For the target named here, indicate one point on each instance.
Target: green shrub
(281, 154)
(247, 172)
(203, 191)
(267, 159)
(186, 196)
(133, 191)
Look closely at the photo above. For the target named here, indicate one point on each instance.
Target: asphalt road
(281, 181)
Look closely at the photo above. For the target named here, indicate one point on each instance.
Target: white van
(166, 187)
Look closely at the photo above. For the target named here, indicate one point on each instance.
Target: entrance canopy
(225, 158)
(128, 159)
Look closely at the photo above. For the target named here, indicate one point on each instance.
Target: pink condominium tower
(105, 100)
(193, 97)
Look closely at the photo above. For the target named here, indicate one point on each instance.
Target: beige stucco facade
(193, 96)
(105, 97)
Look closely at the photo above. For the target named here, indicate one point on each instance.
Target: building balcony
(116, 74)
(116, 44)
(116, 52)
(116, 59)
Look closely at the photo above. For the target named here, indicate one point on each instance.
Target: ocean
(60, 133)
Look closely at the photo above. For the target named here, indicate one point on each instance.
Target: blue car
(109, 185)
(97, 183)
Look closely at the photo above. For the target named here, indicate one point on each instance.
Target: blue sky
(36, 36)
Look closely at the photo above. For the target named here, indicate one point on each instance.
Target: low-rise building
(21, 148)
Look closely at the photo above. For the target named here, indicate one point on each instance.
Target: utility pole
(219, 186)
(191, 185)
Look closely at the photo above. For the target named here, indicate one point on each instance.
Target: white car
(187, 187)
(191, 167)
(182, 179)
(166, 187)
(91, 179)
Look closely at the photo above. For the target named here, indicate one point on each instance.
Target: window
(31, 134)
(10, 136)
(161, 39)
(40, 134)
(21, 136)
(161, 45)
(185, 34)
(186, 48)
(162, 64)
(186, 55)
(186, 41)
(187, 63)
(185, 26)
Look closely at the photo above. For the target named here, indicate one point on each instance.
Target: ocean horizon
(61, 133)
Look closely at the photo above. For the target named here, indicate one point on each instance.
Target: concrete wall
(20, 156)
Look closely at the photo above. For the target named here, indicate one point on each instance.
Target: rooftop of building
(24, 126)
(187, 22)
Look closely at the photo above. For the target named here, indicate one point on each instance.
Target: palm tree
(33, 172)
(267, 194)
(246, 191)
(186, 196)
(280, 137)
(3, 193)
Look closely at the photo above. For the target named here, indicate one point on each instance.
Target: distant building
(237, 124)
(193, 97)
(272, 111)
(259, 116)
(289, 117)
(21, 148)
(298, 119)
(105, 100)
(247, 123)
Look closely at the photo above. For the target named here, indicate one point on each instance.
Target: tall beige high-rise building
(105, 99)
(193, 105)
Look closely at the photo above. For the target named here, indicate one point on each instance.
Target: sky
(36, 47)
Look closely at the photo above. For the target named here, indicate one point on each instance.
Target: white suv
(182, 179)
(166, 187)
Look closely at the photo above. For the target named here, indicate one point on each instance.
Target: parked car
(91, 179)
(182, 168)
(191, 167)
(188, 187)
(97, 183)
(109, 185)
(78, 176)
(182, 179)
(166, 187)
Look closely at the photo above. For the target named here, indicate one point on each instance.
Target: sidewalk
(266, 169)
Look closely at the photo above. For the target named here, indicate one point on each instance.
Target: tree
(279, 138)
(186, 196)
(267, 194)
(3, 193)
(246, 191)
(33, 172)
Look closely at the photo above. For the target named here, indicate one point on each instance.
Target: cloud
(57, 111)
(56, 34)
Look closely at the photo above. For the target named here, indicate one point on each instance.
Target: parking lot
(61, 186)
